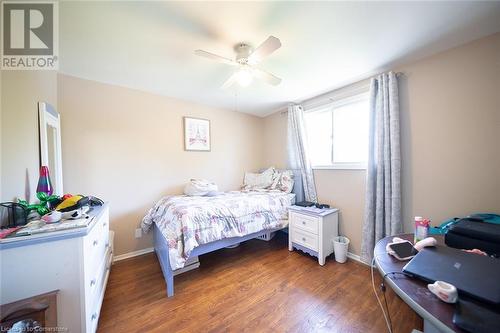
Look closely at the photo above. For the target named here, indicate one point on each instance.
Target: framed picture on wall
(196, 134)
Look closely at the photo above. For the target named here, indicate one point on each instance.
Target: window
(338, 134)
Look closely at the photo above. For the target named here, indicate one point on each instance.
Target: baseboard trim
(133, 254)
(355, 257)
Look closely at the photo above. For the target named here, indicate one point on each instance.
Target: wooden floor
(257, 287)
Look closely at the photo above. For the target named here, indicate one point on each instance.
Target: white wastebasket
(340, 246)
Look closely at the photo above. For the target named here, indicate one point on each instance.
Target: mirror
(50, 144)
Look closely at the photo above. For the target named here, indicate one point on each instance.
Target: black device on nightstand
(305, 204)
(310, 204)
(321, 206)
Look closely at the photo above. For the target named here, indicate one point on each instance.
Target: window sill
(351, 166)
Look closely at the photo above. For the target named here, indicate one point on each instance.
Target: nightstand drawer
(306, 223)
(306, 239)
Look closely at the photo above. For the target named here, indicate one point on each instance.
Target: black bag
(473, 233)
(476, 318)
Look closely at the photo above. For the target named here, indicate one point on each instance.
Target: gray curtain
(298, 157)
(383, 183)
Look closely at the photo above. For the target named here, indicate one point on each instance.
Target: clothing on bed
(200, 187)
(188, 222)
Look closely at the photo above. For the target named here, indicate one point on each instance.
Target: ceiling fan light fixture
(245, 61)
(244, 77)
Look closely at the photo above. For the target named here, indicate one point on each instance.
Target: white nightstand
(312, 231)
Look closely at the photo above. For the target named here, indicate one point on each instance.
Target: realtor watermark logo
(30, 35)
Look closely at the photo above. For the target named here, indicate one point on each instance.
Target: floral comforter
(188, 222)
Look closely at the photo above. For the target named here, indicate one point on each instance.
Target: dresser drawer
(95, 245)
(305, 222)
(305, 238)
(95, 291)
(99, 232)
(92, 241)
(93, 315)
(93, 283)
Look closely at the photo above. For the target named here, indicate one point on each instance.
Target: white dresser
(313, 231)
(76, 262)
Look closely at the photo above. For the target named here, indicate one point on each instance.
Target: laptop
(473, 274)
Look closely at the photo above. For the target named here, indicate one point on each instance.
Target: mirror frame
(47, 115)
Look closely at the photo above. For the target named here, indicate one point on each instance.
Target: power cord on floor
(382, 288)
(387, 315)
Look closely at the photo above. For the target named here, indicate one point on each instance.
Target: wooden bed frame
(161, 248)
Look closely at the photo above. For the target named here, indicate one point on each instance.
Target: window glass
(350, 138)
(338, 135)
(319, 135)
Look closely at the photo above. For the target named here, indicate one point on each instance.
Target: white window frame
(329, 107)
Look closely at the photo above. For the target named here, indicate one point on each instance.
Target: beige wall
(450, 119)
(275, 132)
(126, 147)
(20, 93)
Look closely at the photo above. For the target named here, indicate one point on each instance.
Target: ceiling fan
(245, 61)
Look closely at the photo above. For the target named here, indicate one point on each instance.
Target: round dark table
(437, 315)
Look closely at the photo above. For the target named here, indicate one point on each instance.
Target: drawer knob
(92, 283)
(95, 243)
(303, 239)
(94, 316)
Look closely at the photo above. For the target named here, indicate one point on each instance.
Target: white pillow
(262, 180)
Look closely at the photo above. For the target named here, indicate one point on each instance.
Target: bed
(185, 227)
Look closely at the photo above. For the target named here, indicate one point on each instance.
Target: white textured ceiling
(149, 45)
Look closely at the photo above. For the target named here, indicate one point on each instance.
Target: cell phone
(403, 250)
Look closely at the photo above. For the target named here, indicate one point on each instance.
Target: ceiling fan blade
(215, 57)
(270, 45)
(266, 76)
(229, 82)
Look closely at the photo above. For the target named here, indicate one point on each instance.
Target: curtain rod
(398, 74)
